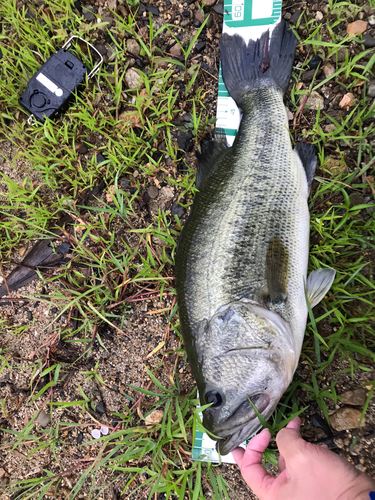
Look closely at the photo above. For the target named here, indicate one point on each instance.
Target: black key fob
(50, 90)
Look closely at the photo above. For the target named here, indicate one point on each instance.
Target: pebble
(199, 16)
(319, 16)
(43, 419)
(133, 47)
(200, 46)
(87, 12)
(371, 88)
(109, 23)
(356, 397)
(79, 438)
(347, 101)
(295, 16)
(356, 199)
(219, 8)
(371, 20)
(315, 61)
(346, 418)
(176, 50)
(328, 69)
(315, 101)
(154, 10)
(368, 40)
(101, 49)
(133, 79)
(177, 210)
(153, 192)
(29, 315)
(287, 16)
(307, 76)
(341, 54)
(100, 407)
(166, 192)
(154, 418)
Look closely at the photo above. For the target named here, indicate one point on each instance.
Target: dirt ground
(123, 359)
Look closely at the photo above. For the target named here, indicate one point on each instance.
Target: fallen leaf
(356, 27)
(299, 86)
(347, 100)
(359, 83)
(109, 195)
(22, 251)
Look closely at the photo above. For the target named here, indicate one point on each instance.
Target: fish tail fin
(246, 68)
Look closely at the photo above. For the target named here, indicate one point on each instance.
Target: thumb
(290, 443)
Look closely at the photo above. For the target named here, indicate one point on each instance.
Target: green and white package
(248, 18)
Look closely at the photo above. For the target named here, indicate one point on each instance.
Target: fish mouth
(236, 429)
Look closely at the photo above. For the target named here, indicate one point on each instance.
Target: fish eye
(215, 398)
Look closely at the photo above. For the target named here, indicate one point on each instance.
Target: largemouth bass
(241, 264)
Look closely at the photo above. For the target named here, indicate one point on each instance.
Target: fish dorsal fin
(277, 270)
(307, 155)
(318, 284)
(211, 151)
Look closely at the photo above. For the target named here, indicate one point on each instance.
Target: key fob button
(38, 99)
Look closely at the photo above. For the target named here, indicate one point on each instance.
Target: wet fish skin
(241, 263)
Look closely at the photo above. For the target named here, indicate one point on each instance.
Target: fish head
(248, 358)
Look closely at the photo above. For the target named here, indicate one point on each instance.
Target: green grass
(128, 127)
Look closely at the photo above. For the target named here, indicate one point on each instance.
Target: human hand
(307, 471)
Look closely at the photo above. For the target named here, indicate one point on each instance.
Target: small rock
(347, 101)
(154, 418)
(154, 10)
(219, 8)
(355, 398)
(80, 438)
(287, 16)
(133, 47)
(368, 41)
(166, 193)
(196, 23)
(200, 46)
(109, 23)
(29, 315)
(341, 54)
(371, 88)
(133, 79)
(371, 20)
(100, 408)
(319, 16)
(331, 127)
(328, 70)
(307, 76)
(199, 16)
(315, 62)
(112, 4)
(295, 16)
(346, 418)
(43, 419)
(315, 101)
(177, 210)
(356, 199)
(87, 12)
(101, 49)
(158, 241)
(176, 50)
(356, 27)
(153, 192)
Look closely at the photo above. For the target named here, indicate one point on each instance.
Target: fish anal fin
(318, 284)
(277, 270)
(307, 155)
(207, 159)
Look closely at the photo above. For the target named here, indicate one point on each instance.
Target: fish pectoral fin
(306, 153)
(277, 270)
(208, 158)
(318, 284)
